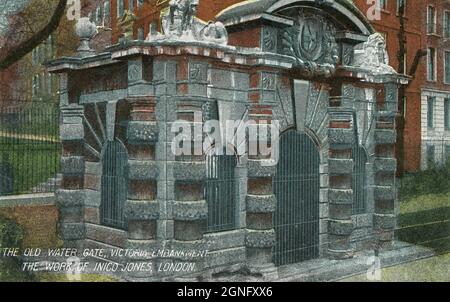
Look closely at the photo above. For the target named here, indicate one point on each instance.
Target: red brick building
(435, 91)
(387, 22)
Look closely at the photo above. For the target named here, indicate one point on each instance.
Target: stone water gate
(314, 67)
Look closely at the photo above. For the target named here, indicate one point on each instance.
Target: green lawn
(423, 220)
(434, 269)
(33, 162)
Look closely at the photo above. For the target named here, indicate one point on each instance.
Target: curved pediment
(343, 13)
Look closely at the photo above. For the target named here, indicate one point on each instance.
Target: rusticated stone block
(225, 240)
(260, 168)
(142, 189)
(384, 193)
(92, 182)
(70, 198)
(92, 215)
(73, 231)
(340, 210)
(261, 203)
(339, 243)
(341, 136)
(71, 132)
(260, 239)
(340, 166)
(385, 165)
(142, 230)
(385, 136)
(384, 221)
(259, 221)
(106, 235)
(189, 230)
(142, 169)
(194, 171)
(260, 186)
(340, 227)
(141, 210)
(92, 198)
(71, 215)
(142, 132)
(190, 210)
(189, 191)
(340, 196)
(72, 165)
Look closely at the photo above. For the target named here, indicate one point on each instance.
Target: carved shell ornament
(311, 41)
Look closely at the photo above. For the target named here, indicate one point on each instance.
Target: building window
(131, 5)
(98, 16)
(120, 8)
(382, 4)
(140, 33)
(431, 64)
(430, 112)
(446, 25)
(447, 67)
(399, 4)
(430, 155)
(447, 114)
(106, 13)
(431, 20)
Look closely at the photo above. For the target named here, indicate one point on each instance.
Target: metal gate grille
(296, 186)
(359, 180)
(220, 192)
(114, 186)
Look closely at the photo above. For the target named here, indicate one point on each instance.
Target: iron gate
(359, 180)
(220, 192)
(296, 186)
(114, 185)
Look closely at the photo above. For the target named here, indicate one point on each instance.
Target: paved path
(41, 138)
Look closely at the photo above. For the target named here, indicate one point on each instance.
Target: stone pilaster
(142, 208)
(70, 197)
(340, 195)
(260, 201)
(385, 165)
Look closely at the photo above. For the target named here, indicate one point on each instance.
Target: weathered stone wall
(41, 230)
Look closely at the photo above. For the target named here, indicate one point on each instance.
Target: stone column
(261, 201)
(385, 166)
(340, 196)
(70, 197)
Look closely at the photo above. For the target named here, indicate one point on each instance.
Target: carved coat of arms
(311, 41)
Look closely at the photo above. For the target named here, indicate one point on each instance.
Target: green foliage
(11, 234)
(432, 181)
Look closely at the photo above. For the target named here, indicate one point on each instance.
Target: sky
(7, 8)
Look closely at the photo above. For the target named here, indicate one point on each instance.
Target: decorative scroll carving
(311, 41)
(374, 56)
(181, 23)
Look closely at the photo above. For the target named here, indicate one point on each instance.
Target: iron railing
(29, 147)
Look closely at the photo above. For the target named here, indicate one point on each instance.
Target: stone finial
(373, 55)
(85, 30)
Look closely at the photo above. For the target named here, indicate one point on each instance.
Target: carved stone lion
(374, 56)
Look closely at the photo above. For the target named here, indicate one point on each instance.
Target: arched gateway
(299, 64)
